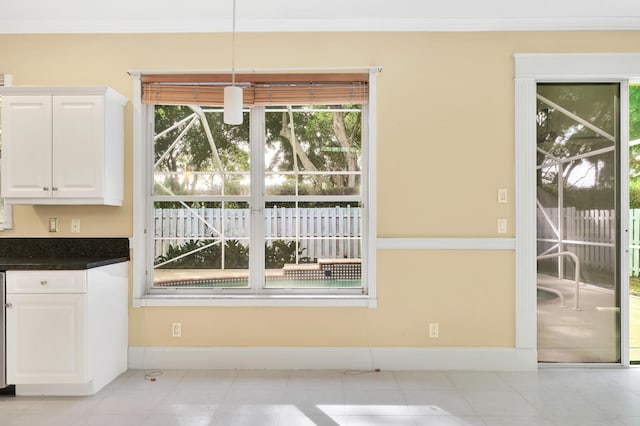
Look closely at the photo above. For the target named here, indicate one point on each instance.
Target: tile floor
(298, 398)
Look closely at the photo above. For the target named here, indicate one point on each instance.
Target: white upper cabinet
(62, 145)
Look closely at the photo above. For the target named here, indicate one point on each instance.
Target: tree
(573, 120)
(325, 138)
(634, 130)
(288, 131)
(347, 142)
(182, 146)
(301, 139)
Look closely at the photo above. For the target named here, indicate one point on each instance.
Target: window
(6, 211)
(275, 206)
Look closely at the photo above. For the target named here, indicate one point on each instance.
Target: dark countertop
(61, 253)
(56, 263)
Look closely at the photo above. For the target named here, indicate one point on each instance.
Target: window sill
(280, 300)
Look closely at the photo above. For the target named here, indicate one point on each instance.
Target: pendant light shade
(233, 105)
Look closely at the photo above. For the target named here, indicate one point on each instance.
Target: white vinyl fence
(327, 232)
(591, 235)
(335, 232)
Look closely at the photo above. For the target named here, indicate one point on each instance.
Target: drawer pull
(43, 282)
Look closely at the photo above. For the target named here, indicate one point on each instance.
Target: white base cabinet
(66, 330)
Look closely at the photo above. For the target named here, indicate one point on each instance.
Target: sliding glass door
(578, 217)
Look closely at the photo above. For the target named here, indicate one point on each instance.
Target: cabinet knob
(46, 188)
(8, 305)
(54, 188)
(43, 282)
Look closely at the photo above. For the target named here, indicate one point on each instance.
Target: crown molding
(202, 25)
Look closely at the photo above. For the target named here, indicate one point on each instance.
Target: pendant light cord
(233, 46)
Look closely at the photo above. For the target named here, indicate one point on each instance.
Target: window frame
(143, 245)
(6, 219)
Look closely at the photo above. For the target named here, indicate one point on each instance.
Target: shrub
(277, 254)
(634, 193)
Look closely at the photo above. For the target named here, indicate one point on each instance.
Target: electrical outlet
(502, 226)
(433, 329)
(75, 226)
(176, 329)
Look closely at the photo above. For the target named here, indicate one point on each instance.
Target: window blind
(258, 89)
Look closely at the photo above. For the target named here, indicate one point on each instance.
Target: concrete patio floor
(586, 335)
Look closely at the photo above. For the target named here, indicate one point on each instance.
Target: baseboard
(85, 389)
(321, 358)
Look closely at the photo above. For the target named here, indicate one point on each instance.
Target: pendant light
(233, 93)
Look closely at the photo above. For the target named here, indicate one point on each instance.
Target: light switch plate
(502, 226)
(502, 195)
(434, 330)
(53, 224)
(176, 329)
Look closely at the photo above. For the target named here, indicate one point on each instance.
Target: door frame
(531, 69)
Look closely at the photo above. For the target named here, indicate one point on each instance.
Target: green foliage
(634, 129)
(277, 254)
(320, 186)
(280, 252)
(236, 255)
(183, 150)
(634, 193)
(191, 204)
(317, 132)
(331, 140)
(200, 258)
(589, 198)
(562, 136)
(596, 198)
(634, 112)
(582, 198)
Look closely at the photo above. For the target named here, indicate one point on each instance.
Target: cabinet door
(26, 150)
(78, 147)
(46, 338)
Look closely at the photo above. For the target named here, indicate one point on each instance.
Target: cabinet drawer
(46, 282)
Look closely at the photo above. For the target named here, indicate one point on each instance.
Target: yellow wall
(445, 143)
